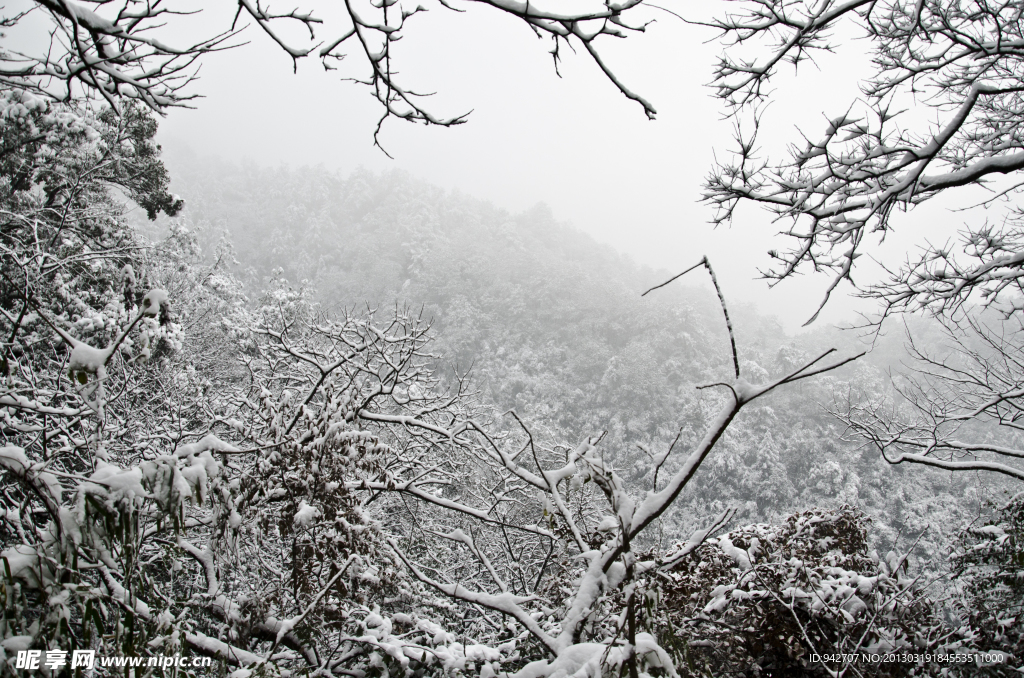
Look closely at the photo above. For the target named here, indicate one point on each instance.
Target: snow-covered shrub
(158, 535)
(170, 482)
(988, 570)
(359, 448)
(769, 597)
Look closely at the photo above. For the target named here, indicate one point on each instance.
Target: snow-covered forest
(308, 422)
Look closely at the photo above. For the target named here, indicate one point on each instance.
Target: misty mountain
(550, 323)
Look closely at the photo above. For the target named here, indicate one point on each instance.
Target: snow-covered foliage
(289, 490)
(988, 567)
(297, 492)
(774, 596)
(89, 456)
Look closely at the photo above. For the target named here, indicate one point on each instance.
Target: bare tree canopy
(961, 60)
(123, 49)
(959, 406)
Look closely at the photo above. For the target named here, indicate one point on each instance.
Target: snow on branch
(957, 405)
(506, 603)
(603, 603)
(837, 192)
(115, 53)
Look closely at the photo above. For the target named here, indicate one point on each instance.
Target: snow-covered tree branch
(959, 59)
(959, 408)
(124, 50)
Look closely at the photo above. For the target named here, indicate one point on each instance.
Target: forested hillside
(407, 433)
(280, 423)
(551, 324)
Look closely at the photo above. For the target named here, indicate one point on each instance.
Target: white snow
(23, 561)
(592, 660)
(17, 643)
(208, 443)
(14, 458)
(739, 556)
(86, 358)
(306, 514)
(152, 302)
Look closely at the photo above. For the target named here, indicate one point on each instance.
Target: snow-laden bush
(772, 597)
(222, 515)
(988, 570)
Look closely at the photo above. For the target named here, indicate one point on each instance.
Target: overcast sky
(573, 142)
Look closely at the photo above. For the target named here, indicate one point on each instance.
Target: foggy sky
(573, 142)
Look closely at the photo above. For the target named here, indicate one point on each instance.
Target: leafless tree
(961, 405)
(120, 49)
(960, 59)
(595, 623)
(351, 460)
